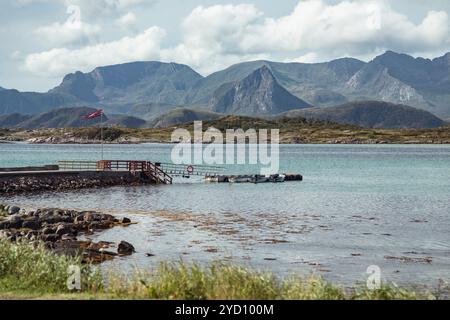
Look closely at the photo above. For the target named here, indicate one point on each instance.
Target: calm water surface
(357, 206)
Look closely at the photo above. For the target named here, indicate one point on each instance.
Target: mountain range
(149, 90)
(368, 114)
(371, 114)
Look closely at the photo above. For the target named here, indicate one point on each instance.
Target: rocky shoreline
(61, 230)
(12, 184)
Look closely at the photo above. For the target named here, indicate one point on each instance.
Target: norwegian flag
(94, 115)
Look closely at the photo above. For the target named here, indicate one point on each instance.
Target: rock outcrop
(59, 230)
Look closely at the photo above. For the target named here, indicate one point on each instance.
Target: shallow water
(357, 206)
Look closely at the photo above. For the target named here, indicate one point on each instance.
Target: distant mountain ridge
(12, 101)
(372, 114)
(131, 83)
(368, 114)
(12, 120)
(390, 77)
(61, 118)
(257, 94)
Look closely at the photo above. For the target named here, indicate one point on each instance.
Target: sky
(43, 40)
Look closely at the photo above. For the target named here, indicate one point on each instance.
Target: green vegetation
(95, 133)
(4, 132)
(28, 272)
(292, 130)
(35, 269)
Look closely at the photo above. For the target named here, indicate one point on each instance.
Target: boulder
(13, 210)
(64, 229)
(125, 248)
(79, 218)
(15, 222)
(125, 220)
(31, 224)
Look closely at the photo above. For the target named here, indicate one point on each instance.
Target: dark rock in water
(125, 248)
(79, 218)
(13, 210)
(100, 225)
(125, 220)
(63, 229)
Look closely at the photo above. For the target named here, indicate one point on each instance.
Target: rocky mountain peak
(258, 93)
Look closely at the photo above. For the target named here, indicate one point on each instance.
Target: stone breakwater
(15, 183)
(59, 230)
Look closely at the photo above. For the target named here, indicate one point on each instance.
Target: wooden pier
(145, 169)
(76, 174)
(191, 170)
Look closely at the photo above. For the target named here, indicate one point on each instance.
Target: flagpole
(101, 129)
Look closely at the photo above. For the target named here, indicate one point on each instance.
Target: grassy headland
(296, 130)
(27, 272)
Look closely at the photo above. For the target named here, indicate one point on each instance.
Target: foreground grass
(24, 268)
(34, 273)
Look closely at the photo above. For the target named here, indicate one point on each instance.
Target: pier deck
(75, 174)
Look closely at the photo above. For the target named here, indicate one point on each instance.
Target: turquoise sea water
(357, 206)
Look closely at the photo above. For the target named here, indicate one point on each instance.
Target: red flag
(94, 115)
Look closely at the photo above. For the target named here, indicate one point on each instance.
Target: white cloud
(216, 36)
(210, 35)
(349, 26)
(127, 21)
(314, 31)
(58, 34)
(73, 30)
(61, 61)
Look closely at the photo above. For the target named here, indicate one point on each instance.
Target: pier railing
(160, 172)
(77, 165)
(122, 165)
(191, 170)
(148, 168)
